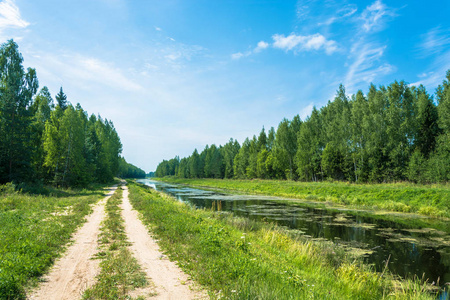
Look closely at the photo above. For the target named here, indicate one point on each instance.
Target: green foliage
(372, 138)
(17, 88)
(241, 259)
(33, 231)
(61, 99)
(41, 143)
(400, 197)
(127, 170)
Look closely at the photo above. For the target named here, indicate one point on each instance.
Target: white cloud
(306, 111)
(237, 55)
(435, 72)
(172, 57)
(261, 46)
(342, 13)
(10, 15)
(425, 75)
(157, 28)
(366, 66)
(435, 41)
(83, 71)
(303, 9)
(375, 15)
(435, 44)
(304, 43)
(107, 74)
(293, 42)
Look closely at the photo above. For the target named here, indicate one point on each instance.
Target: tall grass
(241, 259)
(33, 232)
(431, 200)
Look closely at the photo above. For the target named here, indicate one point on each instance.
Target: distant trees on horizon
(47, 143)
(393, 133)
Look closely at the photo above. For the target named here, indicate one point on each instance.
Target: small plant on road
(120, 271)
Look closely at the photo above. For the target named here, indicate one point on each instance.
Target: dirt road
(170, 281)
(76, 270)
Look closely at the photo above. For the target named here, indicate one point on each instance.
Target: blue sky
(175, 75)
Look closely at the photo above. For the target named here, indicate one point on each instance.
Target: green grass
(120, 271)
(430, 200)
(33, 231)
(236, 258)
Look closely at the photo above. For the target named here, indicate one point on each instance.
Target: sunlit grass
(430, 200)
(238, 258)
(33, 231)
(120, 271)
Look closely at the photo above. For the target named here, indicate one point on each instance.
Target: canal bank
(359, 236)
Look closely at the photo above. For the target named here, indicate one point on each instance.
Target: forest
(52, 142)
(393, 133)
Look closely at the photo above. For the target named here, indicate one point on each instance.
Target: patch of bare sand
(170, 282)
(73, 273)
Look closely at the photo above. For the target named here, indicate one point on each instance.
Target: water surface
(408, 249)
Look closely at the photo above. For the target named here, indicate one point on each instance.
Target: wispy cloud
(436, 72)
(259, 47)
(299, 43)
(375, 16)
(435, 41)
(341, 14)
(10, 16)
(303, 9)
(367, 64)
(83, 71)
(306, 111)
(239, 55)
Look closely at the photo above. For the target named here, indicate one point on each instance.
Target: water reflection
(406, 250)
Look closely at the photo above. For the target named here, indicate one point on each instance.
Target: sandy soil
(75, 271)
(169, 281)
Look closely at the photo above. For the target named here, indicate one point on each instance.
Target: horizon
(180, 75)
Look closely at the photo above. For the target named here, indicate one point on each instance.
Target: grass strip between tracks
(120, 272)
(236, 258)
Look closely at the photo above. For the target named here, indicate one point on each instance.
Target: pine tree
(61, 99)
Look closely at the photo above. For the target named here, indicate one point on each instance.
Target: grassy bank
(34, 230)
(120, 271)
(430, 200)
(240, 259)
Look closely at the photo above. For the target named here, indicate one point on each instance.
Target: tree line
(127, 170)
(393, 133)
(46, 142)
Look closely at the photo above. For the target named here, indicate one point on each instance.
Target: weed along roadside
(132, 266)
(34, 230)
(236, 258)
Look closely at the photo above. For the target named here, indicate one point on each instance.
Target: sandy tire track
(73, 273)
(169, 280)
